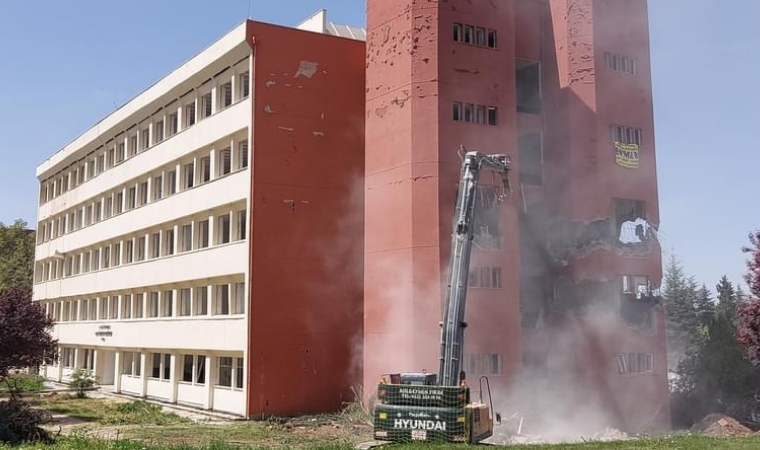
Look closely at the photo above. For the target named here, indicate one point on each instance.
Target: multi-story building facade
(563, 284)
(218, 240)
(180, 238)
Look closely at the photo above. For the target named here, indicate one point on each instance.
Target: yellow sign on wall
(627, 155)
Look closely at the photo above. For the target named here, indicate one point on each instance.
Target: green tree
(704, 306)
(679, 298)
(16, 256)
(726, 297)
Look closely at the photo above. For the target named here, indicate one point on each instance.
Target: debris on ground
(720, 425)
(506, 437)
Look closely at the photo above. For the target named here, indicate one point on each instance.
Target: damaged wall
(306, 220)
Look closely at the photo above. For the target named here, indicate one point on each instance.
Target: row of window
(626, 135)
(471, 113)
(485, 277)
(204, 101)
(178, 176)
(186, 234)
(620, 63)
(216, 299)
(472, 35)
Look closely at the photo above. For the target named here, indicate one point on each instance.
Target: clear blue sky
(63, 66)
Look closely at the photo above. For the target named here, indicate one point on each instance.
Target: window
(110, 159)
(202, 234)
(139, 298)
(200, 369)
(167, 304)
(480, 115)
(189, 175)
(245, 84)
(169, 242)
(630, 220)
(117, 254)
(223, 229)
(238, 373)
(113, 308)
(531, 159)
(173, 124)
(108, 210)
(155, 370)
(132, 198)
(129, 249)
(201, 301)
(133, 149)
(225, 95)
(485, 277)
(186, 233)
(190, 114)
(222, 303)
(625, 135)
(243, 154)
(106, 257)
(153, 304)
(140, 253)
(528, 85)
(456, 111)
(469, 112)
(187, 368)
(103, 309)
(491, 39)
(158, 131)
(167, 366)
(239, 298)
(127, 363)
(483, 364)
(225, 162)
(458, 32)
(493, 115)
(205, 169)
(120, 152)
(145, 133)
(158, 188)
(629, 363)
(184, 302)
(143, 193)
(469, 34)
(480, 37)
(171, 182)
(620, 63)
(96, 259)
(224, 377)
(241, 221)
(496, 277)
(206, 104)
(126, 306)
(155, 245)
(119, 202)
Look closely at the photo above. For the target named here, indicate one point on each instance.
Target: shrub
(19, 422)
(82, 380)
(22, 382)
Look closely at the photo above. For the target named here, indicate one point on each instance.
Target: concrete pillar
(180, 115)
(210, 382)
(176, 239)
(149, 195)
(178, 178)
(151, 132)
(174, 377)
(213, 155)
(214, 99)
(212, 230)
(95, 369)
(235, 93)
(77, 356)
(117, 372)
(143, 373)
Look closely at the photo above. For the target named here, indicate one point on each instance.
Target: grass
(673, 443)
(22, 382)
(106, 412)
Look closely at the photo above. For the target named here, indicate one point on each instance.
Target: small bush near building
(81, 381)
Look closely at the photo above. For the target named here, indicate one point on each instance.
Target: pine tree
(679, 298)
(741, 296)
(705, 306)
(726, 297)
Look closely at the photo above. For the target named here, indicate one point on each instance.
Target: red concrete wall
(306, 221)
(414, 73)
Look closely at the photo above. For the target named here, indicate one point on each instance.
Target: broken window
(528, 83)
(485, 277)
(487, 218)
(493, 115)
(630, 222)
(469, 34)
(469, 112)
(530, 159)
(483, 364)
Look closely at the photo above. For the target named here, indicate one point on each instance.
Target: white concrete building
(142, 253)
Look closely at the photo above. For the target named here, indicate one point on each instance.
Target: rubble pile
(720, 425)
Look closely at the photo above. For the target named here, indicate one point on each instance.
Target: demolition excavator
(437, 407)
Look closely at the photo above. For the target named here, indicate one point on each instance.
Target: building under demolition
(183, 267)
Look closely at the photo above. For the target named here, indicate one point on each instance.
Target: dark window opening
(493, 115)
(491, 38)
(456, 111)
(469, 112)
(469, 34)
(480, 37)
(528, 81)
(458, 32)
(530, 159)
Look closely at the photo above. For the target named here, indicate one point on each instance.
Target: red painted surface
(304, 351)
(414, 73)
